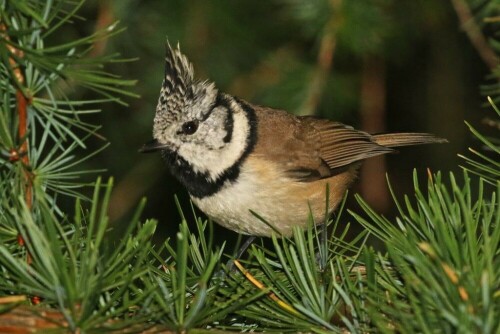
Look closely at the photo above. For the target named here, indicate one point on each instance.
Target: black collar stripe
(200, 185)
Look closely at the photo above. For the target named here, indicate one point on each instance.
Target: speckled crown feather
(177, 87)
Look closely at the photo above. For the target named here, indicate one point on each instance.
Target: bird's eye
(190, 127)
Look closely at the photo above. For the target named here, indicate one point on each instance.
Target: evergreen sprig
(438, 270)
(188, 282)
(73, 268)
(442, 270)
(304, 280)
(486, 162)
(41, 126)
(483, 29)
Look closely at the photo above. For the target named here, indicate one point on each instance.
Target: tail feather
(406, 139)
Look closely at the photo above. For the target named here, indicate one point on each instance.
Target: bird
(254, 169)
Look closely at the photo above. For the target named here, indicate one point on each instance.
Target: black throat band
(200, 185)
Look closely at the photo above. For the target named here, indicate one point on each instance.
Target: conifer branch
(21, 152)
(24, 320)
(474, 34)
(439, 272)
(22, 110)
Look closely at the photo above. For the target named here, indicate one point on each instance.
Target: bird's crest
(179, 72)
(179, 88)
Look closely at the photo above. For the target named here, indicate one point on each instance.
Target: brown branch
(22, 320)
(474, 34)
(324, 61)
(12, 299)
(22, 151)
(22, 111)
(26, 320)
(22, 104)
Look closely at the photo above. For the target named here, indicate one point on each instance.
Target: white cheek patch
(215, 162)
(216, 131)
(210, 133)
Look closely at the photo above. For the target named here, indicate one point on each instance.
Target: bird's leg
(241, 250)
(245, 246)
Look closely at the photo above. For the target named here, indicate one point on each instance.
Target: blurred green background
(379, 65)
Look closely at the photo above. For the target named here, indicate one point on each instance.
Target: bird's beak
(152, 146)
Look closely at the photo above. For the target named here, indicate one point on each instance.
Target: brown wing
(309, 148)
(282, 140)
(341, 145)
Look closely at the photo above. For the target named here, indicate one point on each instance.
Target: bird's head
(195, 121)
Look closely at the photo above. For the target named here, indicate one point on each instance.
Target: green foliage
(72, 267)
(188, 281)
(438, 270)
(483, 165)
(304, 273)
(486, 15)
(45, 73)
(442, 270)
(184, 278)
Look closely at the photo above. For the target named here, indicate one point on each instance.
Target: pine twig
(25, 320)
(21, 152)
(12, 299)
(474, 34)
(262, 287)
(22, 110)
